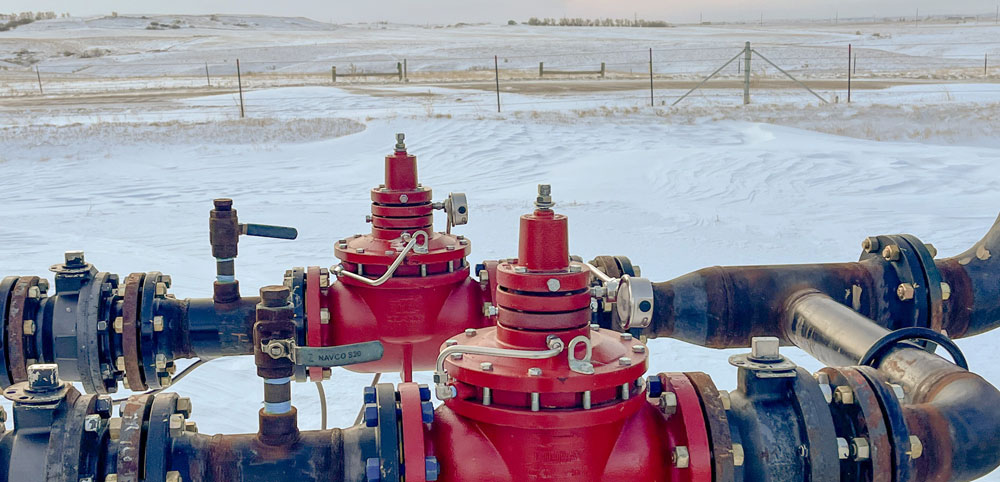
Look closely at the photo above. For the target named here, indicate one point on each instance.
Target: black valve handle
(268, 231)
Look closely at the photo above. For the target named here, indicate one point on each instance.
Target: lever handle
(268, 231)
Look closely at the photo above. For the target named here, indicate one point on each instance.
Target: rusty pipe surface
(724, 307)
(975, 291)
(952, 410)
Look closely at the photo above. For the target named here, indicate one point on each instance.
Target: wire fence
(670, 69)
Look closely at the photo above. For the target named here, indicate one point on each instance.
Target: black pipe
(724, 307)
(212, 330)
(952, 410)
(829, 331)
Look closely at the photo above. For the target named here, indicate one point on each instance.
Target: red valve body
(429, 297)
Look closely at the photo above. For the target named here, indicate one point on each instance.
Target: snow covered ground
(711, 182)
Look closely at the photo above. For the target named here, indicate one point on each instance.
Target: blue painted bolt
(371, 415)
(373, 472)
(427, 411)
(655, 386)
(425, 393)
(369, 394)
(431, 469)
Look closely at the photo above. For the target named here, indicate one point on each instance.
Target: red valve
(411, 306)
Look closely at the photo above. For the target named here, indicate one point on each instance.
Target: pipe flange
(16, 346)
(387, 433)
(163, 418)
(857, 413)
(130, 332)
(720, 434)
(6, 286)
(687, 432)
(892, 408)
(906, 261)
(295, 280)
(73, 450)
(411, 403)
(147, 332)
(130, 440)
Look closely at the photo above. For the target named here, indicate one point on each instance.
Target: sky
(451, 11)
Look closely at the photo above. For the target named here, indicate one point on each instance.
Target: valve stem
(400, 145)
(544, 200)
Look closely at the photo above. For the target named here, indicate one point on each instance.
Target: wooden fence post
(541, 69)
(602, 70)
(39, 75)
(399, 69)
(333, 74)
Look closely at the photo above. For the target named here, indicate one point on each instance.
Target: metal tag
(336, 356)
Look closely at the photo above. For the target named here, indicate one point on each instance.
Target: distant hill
(178, 22)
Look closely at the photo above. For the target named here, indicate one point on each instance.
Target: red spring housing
(580, 415)
(429, 297)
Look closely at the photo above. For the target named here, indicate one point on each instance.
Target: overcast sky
(450, 11)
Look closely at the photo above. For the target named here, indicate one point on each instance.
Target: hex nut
(668, 403)
(891, 253)
(118, 324)
(470, 332)
(680, 457)
(34, 292)
(626, 336)
(111, 478)
(727, 402)
(190, 427)
(625, 361)
(486, 366)
(738, 455)
(120, 363)
(639, 349)
(916, 447)
(324, 316)
(945, 291)
(456, 356)
(161, 362)
(906, 291)
(29, 327)
(860, 449)
(115, 427)
(827, 392)
(535, 372)
(553, 284)
(173, 476)
(843, 448)
(92, 423)
(843, 395)
(157, 323)
(161, 289)
(165, 381)
(898, 391)
(176, 424)
(184, 406)
(870, 244)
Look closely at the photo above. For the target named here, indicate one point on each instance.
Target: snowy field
(710, 182)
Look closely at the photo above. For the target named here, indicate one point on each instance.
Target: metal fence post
(541, 68)
(848, 73)
(39, 75)
(746, 74)
(239, 81)
(333, 74)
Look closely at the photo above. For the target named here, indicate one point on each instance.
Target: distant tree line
(14, 20)
(595, 22)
